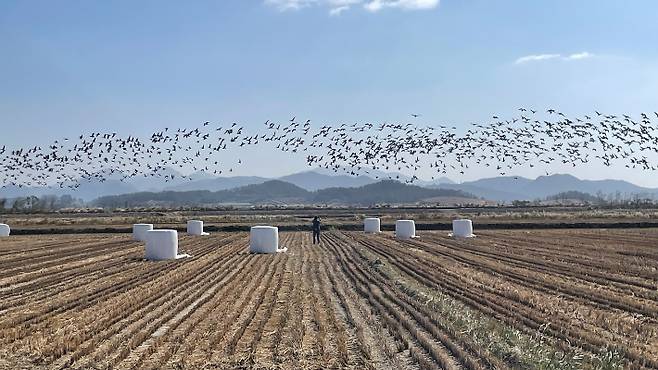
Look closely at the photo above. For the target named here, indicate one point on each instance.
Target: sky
(68, 67)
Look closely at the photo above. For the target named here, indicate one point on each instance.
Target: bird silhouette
(356, 148)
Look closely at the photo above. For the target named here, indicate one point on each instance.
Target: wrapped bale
(372, 225)
(140, 230)
(4, 230)
(264, 239)
(462, 228)
(162, 245)
(195, 227)
(405, 229)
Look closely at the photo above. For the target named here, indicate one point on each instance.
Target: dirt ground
(519, 299)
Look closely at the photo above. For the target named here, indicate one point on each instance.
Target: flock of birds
(531, 138)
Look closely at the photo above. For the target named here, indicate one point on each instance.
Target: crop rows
(507, 299)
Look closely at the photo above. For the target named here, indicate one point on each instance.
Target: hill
(312, 180)
(267, 192)
(546, 185)
(501, 189)
(508, 188)
(87, 191)
(388, 191)
(277, 191)
(218, 183)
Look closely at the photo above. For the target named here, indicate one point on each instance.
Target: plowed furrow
(441, 347)
(57, 258)
(76, 302)
(20, 326)
(459, 345)
(589, 295)
(556, 269)
(495, 304)
(165, 330)
(233, 325)
(73, 276)
(212, 330)
(364, 322)
(128, 327)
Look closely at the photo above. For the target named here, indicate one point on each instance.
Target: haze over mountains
(281, 192)
(510, 188)
(505, 188)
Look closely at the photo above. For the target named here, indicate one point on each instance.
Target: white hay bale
(264, 239)
(372, 225)
(195, 227)
(4, 230)
(140, 230)
(462, 228)
(162, 245)
(405, 229)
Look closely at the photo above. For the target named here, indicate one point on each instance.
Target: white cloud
(339, 9)
(579, 56)
(376, 5)
(338, 3)
(540, 57)
(290, 4)
(336, 7)
(536, 58)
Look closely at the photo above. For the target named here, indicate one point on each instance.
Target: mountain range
(502, 189)
(508, 188)
(281, 192)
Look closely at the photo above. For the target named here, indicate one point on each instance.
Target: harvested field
(507, 299)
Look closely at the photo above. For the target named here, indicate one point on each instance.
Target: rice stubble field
(506, 299)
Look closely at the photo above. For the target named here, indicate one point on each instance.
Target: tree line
(600, 199)
(34, 204)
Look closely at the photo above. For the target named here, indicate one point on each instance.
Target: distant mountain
(443, 180)
(309, 180)
(502, 189)
(510, 188)
(514, 184)
(90, 190)
(277, 191)
(266, 192)
(272, 190)
(547, 185)
(388, 191)
(218, 183)
(433, 183)
(87, 191)
(481, 192)
(312, 180)
(378, 175)
(156, 183)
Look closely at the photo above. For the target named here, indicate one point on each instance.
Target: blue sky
(136, 67)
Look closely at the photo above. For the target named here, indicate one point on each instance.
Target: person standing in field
(316, 229)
